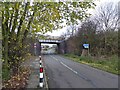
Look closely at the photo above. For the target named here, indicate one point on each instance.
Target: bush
(101, 62)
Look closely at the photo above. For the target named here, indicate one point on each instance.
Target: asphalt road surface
(65, 73)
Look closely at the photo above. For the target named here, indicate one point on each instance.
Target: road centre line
(65, 65)
(54, 58)
(80, 75)
(69, 68)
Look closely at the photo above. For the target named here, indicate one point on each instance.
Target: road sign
(86, 45)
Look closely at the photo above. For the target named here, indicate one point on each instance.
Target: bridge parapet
(50, 41)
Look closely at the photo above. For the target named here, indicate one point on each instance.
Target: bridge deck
(49, 41)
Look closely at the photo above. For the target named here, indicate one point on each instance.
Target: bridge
(50, 41)
(37, 45)
(59, 43)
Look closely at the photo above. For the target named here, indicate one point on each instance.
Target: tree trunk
(6, 51)
(5, 41)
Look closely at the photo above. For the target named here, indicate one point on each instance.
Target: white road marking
(65, 65)
(54, 58)
(69, 68)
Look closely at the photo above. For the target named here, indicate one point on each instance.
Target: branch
(15, 20)
(21, 21)
(28, 27)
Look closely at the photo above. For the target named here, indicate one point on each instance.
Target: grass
(107, 64)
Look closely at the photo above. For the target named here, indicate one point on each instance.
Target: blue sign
(86, 45)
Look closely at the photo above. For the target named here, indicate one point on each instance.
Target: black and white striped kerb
(41, 73)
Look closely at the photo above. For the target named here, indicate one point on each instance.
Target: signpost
(86, 46)
(85, 51)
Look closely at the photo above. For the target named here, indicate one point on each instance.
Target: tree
(107, 22)
(107, 16)
(19, 19)
(87, 35)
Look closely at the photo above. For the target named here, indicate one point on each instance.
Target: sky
(59, 32)
(63, 30)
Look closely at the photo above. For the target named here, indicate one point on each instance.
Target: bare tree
(107, 16)
(107, 20)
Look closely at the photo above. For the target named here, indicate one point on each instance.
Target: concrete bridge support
(62, 47)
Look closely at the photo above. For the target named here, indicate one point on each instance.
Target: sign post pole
(85, 51)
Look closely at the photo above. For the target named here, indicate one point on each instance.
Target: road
(65, 73)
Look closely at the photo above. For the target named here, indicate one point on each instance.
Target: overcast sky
(97, 2)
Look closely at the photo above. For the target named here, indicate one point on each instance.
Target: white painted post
(41, 74)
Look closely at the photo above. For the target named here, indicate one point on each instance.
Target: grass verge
(106, 64)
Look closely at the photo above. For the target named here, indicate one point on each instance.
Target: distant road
(64, 73)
